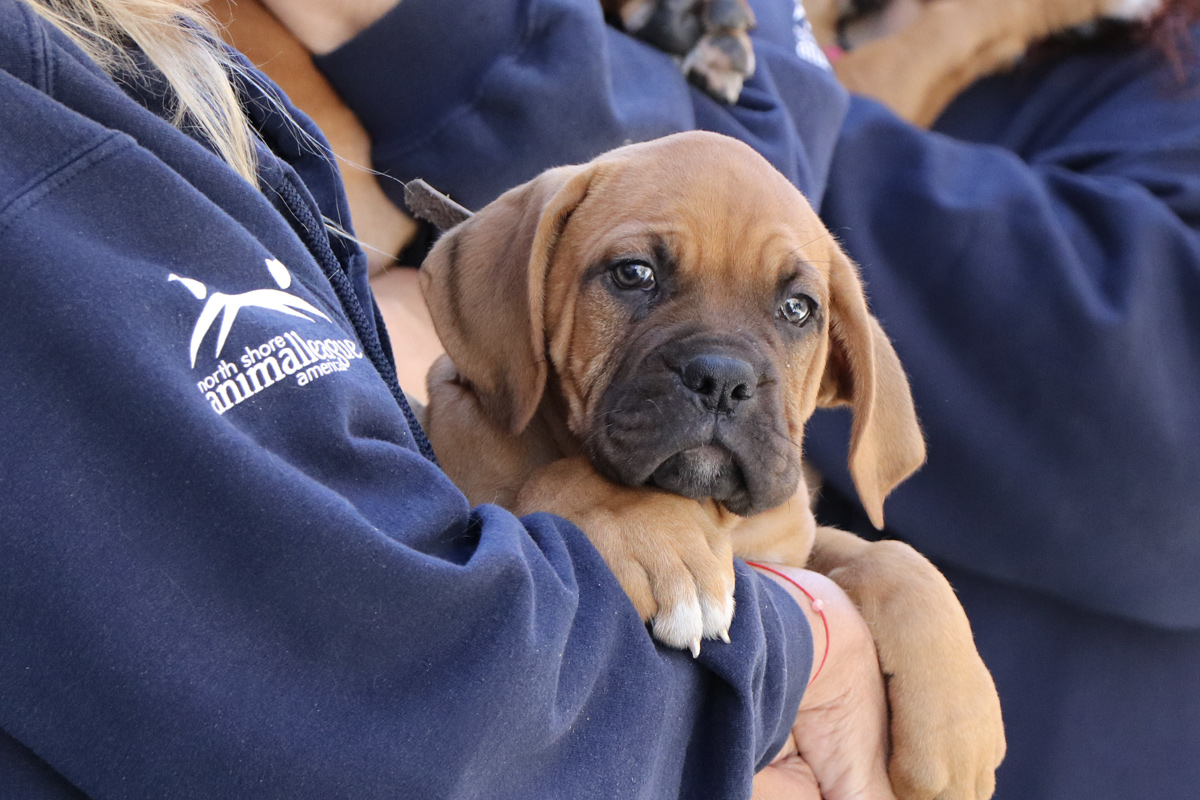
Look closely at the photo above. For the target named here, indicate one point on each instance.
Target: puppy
(915, 56)
(636, 344)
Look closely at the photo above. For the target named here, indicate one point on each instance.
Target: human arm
(200, 607)
(1035, 262)
(480, 98)
(269, 590)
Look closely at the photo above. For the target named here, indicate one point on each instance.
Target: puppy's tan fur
(918, 55)
(534, 337)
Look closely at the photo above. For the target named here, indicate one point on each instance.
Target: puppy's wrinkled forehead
(703, 199)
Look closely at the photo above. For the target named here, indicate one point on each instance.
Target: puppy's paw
(676, 567)
(946, 727)
(709, 35)
(691, 601)
(720, 63)
(948, 738)
(669, 553)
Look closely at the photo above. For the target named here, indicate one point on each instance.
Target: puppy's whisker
(787, 439)
(801, 248)
(598, 430)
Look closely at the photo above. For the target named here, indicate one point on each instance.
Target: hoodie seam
(40, 71)
(60, 175)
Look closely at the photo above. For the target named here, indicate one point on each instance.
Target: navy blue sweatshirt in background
(1042, 287)
(1036, 262)
(226, 569)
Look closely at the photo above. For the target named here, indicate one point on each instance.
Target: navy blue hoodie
(226, 567)
(1036, 261)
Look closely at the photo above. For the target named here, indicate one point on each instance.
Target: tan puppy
(915, 56)
(636, 344)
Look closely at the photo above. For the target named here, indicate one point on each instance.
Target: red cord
(817, 606)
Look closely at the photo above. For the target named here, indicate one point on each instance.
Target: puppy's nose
(720, 381)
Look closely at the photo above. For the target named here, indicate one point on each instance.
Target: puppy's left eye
(633, 275)
(798, 310)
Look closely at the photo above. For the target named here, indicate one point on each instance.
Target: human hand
(322, 26)
(838, 745)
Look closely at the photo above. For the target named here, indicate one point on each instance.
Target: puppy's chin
(703, 472)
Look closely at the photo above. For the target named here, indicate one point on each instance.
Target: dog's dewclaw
(429, 204)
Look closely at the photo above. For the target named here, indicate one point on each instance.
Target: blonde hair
(181, 41)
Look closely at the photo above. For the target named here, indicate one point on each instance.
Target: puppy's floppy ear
(484, 283)
(886, 445)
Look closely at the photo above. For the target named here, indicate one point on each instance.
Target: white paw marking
(685, 623)
(680, 625)
(717, 617)
(1134, 10)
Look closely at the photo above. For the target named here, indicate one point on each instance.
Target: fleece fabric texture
(1036, 261)
(1042, 286)
(226, 567)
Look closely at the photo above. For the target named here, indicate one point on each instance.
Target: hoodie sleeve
(1039, 274)
(224, 569)
(478, 97)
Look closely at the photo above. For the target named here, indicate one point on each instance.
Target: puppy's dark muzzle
(699, 420)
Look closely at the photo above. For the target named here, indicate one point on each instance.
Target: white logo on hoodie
(281, 356)
(230, 304)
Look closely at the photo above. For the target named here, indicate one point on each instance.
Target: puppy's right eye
(798, 310)
(633, 275)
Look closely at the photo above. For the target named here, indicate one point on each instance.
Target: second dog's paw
(720, 63)
(710, 36)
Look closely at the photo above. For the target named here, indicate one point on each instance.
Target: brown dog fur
(918, 55)
(537, 338)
